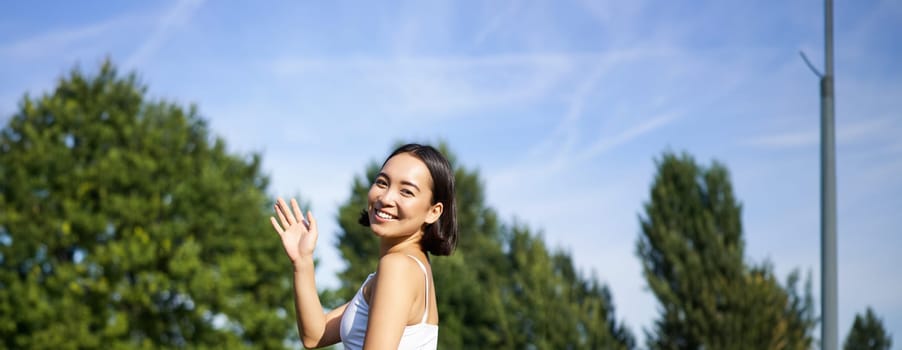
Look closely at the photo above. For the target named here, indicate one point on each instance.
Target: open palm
(298, 235)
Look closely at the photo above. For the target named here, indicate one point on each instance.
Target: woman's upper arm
(332, 331)
(395, 292)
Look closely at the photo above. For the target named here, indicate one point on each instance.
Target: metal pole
(828, 192)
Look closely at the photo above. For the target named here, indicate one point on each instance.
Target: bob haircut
(440, 237)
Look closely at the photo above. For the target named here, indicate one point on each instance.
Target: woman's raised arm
(315, 327)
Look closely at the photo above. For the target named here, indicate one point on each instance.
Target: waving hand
(298, 235)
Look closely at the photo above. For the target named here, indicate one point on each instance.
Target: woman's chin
(389, 232)
(379, 229)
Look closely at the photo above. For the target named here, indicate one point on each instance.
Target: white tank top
(354, 320)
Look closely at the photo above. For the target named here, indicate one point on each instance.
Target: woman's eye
(381, 183)
(407, 193)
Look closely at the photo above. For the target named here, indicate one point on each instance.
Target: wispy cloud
(434, 86)
(794, 139)
(644, 127)
(846, 133)
(565, 136)
(301, 65)
(58, 41)
(558, 146)
(171, 21)
(616, 17)
(508, 10)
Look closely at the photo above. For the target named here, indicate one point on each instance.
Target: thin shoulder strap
(426, 277)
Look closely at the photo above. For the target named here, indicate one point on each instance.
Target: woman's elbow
(311, 343)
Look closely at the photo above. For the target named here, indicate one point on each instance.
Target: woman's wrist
(303, 263)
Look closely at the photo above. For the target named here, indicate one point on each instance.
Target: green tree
(867, 333)
(554, 307)
(691, 249)
(490, 289)
(125, 224)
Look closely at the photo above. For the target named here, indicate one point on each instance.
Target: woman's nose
(387, 198)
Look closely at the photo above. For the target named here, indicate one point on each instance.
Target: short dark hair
(440, 237)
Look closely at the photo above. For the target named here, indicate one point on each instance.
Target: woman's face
(400, 201)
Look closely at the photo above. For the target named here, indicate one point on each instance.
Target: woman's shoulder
(398, 269)
(399, 263)
(400, 275)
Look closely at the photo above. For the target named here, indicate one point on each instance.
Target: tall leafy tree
(554, 306)
(692, 253)
(867, 333)
(490, 290)
(125, 224)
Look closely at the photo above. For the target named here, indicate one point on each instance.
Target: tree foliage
(125, 224)
(867, 333)
(691, 248)
(502, 288)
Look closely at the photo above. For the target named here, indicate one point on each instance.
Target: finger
(282, 218)
(297, 210)
(276, 225)
(311, 221)
(286, 212)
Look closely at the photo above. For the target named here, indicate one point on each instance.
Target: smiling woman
(410, 207)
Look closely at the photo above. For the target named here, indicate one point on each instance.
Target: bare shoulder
(398, 264)
(397, 272)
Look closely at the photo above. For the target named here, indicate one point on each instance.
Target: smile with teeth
(385, 216)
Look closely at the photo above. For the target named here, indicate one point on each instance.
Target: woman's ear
(434, 213)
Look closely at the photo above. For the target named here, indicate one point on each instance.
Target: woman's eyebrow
(403, 182)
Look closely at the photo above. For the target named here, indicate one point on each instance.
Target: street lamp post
(829, 329)
(828, 191)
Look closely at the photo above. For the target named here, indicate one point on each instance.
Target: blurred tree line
(125, 224)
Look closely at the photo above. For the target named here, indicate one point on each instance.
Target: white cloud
(786, 140)
(59, 41)
(644, 127)
(438, 87)
(171, 21)
(847, 133)
(500, 18)
(616, 17)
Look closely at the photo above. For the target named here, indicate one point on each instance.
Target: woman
(410, 207)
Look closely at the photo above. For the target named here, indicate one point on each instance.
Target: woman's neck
(400, 244)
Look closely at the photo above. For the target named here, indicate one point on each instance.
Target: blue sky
(561, 105)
